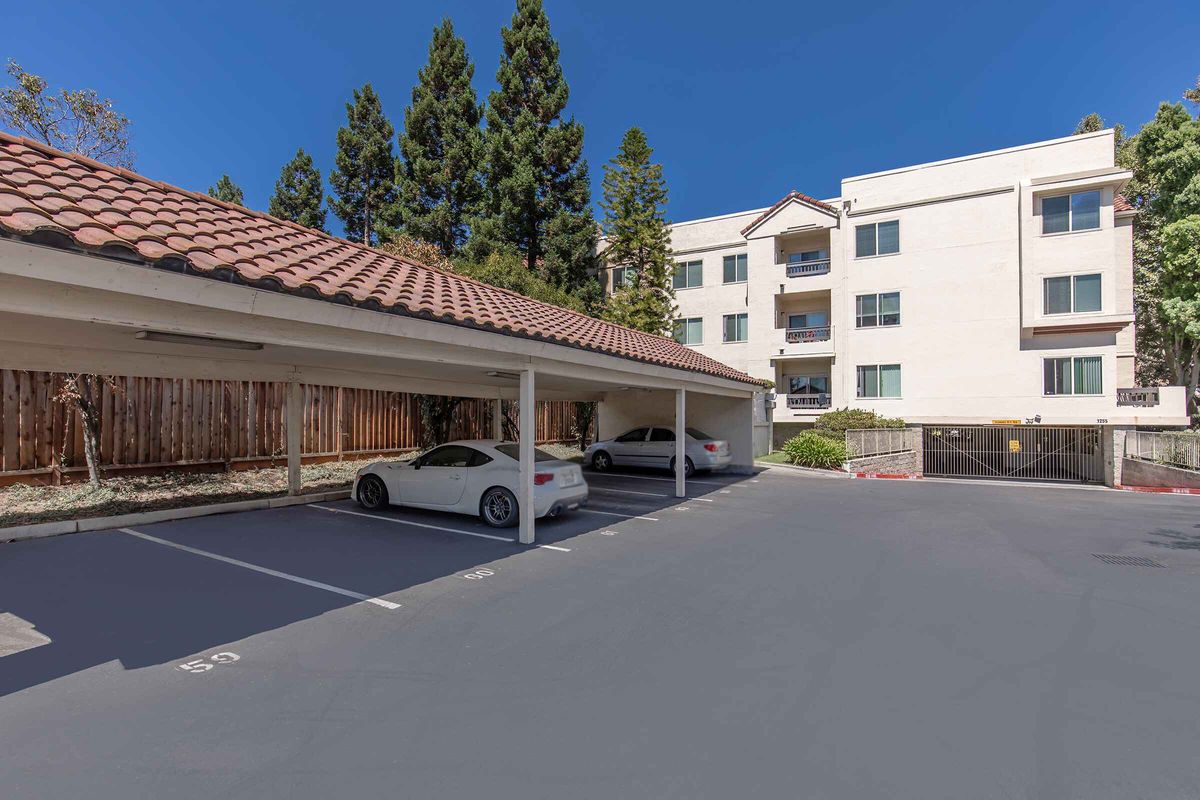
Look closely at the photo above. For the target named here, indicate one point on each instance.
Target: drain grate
(1128, 561)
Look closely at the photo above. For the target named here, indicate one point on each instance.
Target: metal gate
(1023, 452)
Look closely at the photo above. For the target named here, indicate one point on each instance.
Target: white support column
(528, 434)
(680, 442)
(294, 409)
(498, 418)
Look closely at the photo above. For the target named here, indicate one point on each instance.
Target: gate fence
(161, 423)
(1172, 449)
(1028, 452)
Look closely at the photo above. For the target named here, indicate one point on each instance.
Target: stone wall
(1135, 472)
(907, 463)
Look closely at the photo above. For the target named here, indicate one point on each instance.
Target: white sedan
(472, 477)
(654, 446)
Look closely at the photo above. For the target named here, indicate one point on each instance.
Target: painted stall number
(608, 533)
(478, 574)
(205, 664)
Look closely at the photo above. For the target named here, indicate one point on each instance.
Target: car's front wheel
(372, 494)
(498, 507)
(601, 461)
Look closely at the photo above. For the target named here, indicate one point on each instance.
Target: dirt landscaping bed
(26, 505)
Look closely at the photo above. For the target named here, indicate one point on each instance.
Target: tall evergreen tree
(364, 174)
(225, 189)
(441, 149)
(298, 193)
(635, 199)
(536, 180)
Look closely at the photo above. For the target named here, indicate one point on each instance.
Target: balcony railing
(1143, 397)
(800, 269)
(802, 401)
(821, 333)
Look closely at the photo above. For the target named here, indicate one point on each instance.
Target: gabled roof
(115, 212)
(791, 197)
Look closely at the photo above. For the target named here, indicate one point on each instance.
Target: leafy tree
(298, 193)
(635, 199)
(74, 121)
(1165, 158)
(1193, 95)
(364, 174)
(536, 180)
(1089, 124)
(441, 149)
(437, 418)
(228, 191)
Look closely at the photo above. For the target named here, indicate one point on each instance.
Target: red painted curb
(899, 476)
(1158, 489)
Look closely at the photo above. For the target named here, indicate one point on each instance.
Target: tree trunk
(89, 412)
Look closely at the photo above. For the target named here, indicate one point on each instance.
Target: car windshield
(513, 451)
(697, 434)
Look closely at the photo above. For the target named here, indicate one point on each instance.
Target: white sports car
(472, 477)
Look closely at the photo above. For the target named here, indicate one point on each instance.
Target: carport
(104, 271)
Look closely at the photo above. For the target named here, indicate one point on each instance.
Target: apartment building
(979, 289)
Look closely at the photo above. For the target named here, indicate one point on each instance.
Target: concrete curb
(42, 530)
(1158, 489)
(821, 473)
(888, 476)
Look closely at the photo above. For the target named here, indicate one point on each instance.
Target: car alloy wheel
(689, 468)
(372, 493)
(498, 508)
(601, 461)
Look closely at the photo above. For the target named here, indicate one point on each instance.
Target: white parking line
(646, 494)
(432, 527)
(614, 514)
(388, 604)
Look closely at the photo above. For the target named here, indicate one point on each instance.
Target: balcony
(808, 401)
(1140, 398)
(802, 269)
(822, 333)
(811, 342)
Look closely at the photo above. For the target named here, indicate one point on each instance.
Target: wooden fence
(151, 424)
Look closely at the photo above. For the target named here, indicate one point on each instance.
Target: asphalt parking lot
(776, 635)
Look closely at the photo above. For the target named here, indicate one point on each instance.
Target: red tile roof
(1121, 203)
(789, 197)
(111, 210)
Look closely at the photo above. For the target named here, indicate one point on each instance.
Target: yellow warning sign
(1014, 446)
(1006, 422)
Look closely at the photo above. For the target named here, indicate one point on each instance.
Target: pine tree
(364, 174)
(298, 193)
(441, 148)
(225, 189)
(537, 185)
(635, 199)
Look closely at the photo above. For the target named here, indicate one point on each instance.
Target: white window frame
(684, 322)
(876, 225)
(878, 383)
(878, 311)
(624, 280)
(1072, 393)
(687, 274)
(1071, 212)
(745, 258)
(1073, 276)
(725, 327)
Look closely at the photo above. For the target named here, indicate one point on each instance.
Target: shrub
(811, 449)
(834, 424)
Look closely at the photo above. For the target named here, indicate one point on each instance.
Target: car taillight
(540, 478)
(711, 447)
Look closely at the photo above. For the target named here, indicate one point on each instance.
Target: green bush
(811, 449)
(834, 424)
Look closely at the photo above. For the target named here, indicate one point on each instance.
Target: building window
(735, 328)
(808, 384)
(688, 275)
(877, 239)
(1071, 212)
(879, 380)
(1072, 375)
(877, 310)
(1072, 294)
(689, 330)
(623, 276)
(735, 269)
(808, 319)
(808, 256)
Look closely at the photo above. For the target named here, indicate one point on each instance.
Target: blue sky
(742, 101)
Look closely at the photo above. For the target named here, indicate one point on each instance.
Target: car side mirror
(416, 463)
